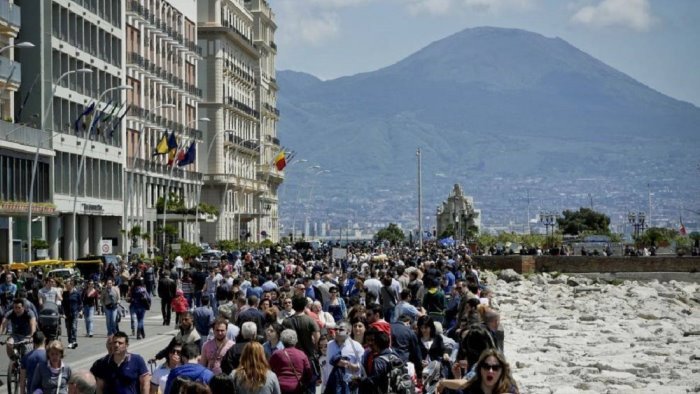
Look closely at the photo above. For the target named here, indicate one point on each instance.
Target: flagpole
(167, 187)
(36, 154)
(82, 164)
(130, 185)
(420, 201)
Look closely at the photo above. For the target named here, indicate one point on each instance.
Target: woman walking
(90, 296)
(51, 376)
(253, 374)
(140, 302)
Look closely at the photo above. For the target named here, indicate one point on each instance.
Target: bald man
(82, 382)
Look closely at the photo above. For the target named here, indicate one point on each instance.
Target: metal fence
(25, 135)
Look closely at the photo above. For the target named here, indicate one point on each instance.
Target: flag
(162, 147)
(682, 230)
(24, 102)
(99, 116)
(190, 156)
(80, 122)
(172, 148)
(280, 161)
(116, 123)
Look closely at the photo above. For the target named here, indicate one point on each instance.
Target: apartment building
(69, 36)
(239, 96)
(162, 62)
(19, 137)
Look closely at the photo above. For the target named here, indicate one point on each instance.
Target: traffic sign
(106, 246)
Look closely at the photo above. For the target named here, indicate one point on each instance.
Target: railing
(276, 141)
(11, 13)
(24, 135)
(271, 109)
(10, 70)
(152, 166)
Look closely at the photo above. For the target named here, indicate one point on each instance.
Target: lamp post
(82, 163)
(130, 185)
(36, 153)
(23, 44)
(549, 220)
(637, 220)
(170, 177)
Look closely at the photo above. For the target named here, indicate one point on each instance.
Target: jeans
(139, 312)
(389, 314)
(111, 319)
(72, 328)
(132, 317)
(213, 302)
(188, 297)
(88, 313)
(197, 299)
(166, 310)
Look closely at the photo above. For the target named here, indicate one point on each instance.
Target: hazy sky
(656, 42)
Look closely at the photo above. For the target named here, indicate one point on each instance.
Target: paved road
(90, 349)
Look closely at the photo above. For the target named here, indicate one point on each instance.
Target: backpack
(400, 381)
(141, 296)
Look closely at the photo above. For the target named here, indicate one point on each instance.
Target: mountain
(483, 104)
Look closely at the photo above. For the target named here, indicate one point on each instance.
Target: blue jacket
(194, 372)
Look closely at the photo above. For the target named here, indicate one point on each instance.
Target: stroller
(50, 320)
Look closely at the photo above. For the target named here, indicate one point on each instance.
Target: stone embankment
(570, 334)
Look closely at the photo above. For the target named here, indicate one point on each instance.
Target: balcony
(272, 109)
(242, 107)
(164, 170)
(269, 172)
(10, 71)
(10, 17)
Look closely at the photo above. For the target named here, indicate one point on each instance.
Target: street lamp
(23, 44)
(637, 219)
(167, 187)
(549, 220)
(82, 161)
(130, 185)
(38, 146)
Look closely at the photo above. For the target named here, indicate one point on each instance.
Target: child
(179, 304)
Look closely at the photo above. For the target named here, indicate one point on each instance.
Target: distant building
(457, 215)
(240, 97)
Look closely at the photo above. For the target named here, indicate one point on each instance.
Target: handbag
(296, 374)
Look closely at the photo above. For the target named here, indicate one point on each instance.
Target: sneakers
(72, 345)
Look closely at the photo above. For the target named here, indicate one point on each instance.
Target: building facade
(239, 96)
(162, 65)
(87, 193)
(457, 215)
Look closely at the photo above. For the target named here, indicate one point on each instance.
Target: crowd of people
(292, 321)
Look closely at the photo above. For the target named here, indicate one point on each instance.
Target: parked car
(63, 273)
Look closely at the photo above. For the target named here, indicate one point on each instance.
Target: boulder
(509, 275)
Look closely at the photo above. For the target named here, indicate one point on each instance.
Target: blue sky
(656, 42)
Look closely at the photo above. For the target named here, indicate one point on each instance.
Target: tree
(392, 233)
(695, 236)
(585, 219)
(188, 249)
(449, 231)
(658, 237)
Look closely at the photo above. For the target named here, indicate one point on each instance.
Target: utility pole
(420, 201)
(649, 215)
(529, 227)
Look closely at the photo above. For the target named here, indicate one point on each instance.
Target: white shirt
(179, 262)
(351, 350)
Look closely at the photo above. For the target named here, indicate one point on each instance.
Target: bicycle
(19, 349)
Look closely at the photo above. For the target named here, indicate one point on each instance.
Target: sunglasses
(175, 351)
(491, 367)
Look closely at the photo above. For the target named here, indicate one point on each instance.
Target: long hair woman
(253, 374)
(492, 377)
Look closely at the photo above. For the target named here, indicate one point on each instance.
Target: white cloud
(443, 7)
(633, 14)
(434, 7)
(308, 22)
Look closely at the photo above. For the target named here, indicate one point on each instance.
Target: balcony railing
(10, 70)
(25, 135)
(10, 13)
(152, 166)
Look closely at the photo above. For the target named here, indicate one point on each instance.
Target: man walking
(123, 372)
(166, 291)
(72, 308)
(110, 300)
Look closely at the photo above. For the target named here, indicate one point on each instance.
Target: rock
(573, 282)
(647, 316)
(588, 318)
(557, 281)
(538, 279)
(509, 275)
